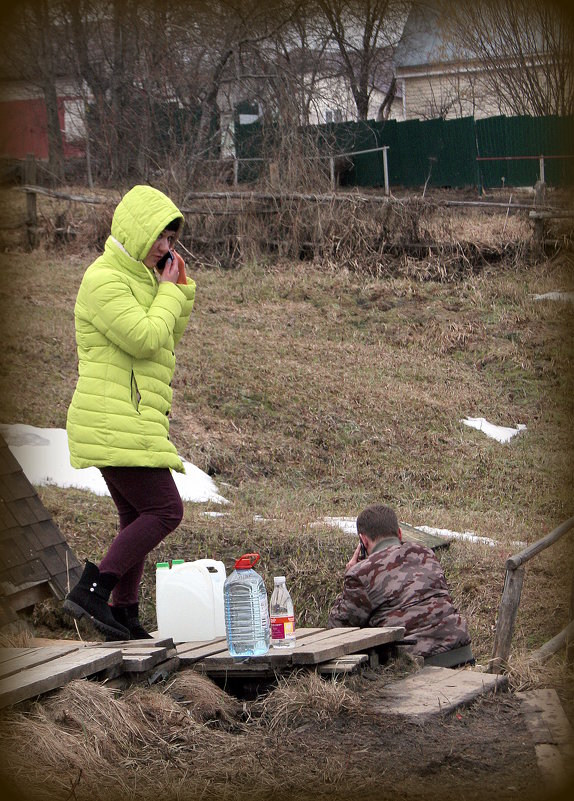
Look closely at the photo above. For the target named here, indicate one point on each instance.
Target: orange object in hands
(182, 277)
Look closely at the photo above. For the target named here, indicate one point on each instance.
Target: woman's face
(165, 241)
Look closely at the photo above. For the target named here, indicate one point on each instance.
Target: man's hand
(354, 558)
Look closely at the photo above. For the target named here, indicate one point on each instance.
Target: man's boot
(128, 616)
(89, 599)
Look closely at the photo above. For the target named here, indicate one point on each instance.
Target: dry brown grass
(301, 698)
(309, 389)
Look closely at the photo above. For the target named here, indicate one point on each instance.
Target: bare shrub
(364, 234)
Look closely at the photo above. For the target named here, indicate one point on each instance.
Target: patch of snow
(457, 535)
(566, 296)
(349, 526)
(44, 457)
(500, 433)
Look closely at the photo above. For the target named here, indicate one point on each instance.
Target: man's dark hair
(378, 521)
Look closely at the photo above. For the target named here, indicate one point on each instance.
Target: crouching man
(391, 583)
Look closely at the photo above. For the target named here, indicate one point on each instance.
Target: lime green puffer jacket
(127, 326)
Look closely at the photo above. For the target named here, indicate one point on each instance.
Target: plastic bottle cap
(163, 564)
(279, 579)
(178, 561)
(246, 561)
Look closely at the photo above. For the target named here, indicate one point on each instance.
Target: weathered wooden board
(27, 672)
(344, 664)
(412, 534)
(342, 642)
(139, 660)
(313, 646)
(545, 716)
(435, 690)
(166, 642)
(56, 673)
(278, 657)
(552, 734)
(192, 652)
(215, 657)
(25, 658)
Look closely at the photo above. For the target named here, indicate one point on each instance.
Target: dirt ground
(285, 748)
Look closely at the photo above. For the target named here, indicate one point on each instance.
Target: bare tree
(208, 43)
(364, 30)
(523, 48)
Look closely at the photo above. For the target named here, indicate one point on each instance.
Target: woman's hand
(169, 273)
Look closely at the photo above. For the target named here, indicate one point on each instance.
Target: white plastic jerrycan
(189, 600)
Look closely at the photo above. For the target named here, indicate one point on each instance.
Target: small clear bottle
(282, 615)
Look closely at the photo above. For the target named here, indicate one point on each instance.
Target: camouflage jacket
(401, 585)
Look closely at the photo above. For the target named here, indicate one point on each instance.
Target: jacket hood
(139, 218)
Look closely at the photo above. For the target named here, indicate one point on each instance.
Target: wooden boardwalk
(314, 648)
(46, 665)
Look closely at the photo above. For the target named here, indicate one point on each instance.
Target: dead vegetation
(310, 386)
(363, 232)
(309, 738)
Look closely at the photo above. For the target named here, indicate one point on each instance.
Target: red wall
(23, 129)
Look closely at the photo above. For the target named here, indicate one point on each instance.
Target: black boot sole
(78, 613)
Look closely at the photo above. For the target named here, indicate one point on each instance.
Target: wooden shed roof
(35, 560)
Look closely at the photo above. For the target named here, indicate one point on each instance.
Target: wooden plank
(34, 594)
(135, 661)
(412, 534)
(545, 717)
(7, 654)
(551, 731)
(345, 664)
(30, 657)
(217, 657)
(436, 690)
(319, 646)
(166, 642)
(220, 643)
(120, 679)
(350, 641)
(302, 634)
(234, 668)
(56, 673)
(190, 653)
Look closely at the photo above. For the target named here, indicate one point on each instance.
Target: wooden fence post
(29, 179)
(386, 171)
(539, 200)
(506, 617)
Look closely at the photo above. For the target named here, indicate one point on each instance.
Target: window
(334, 115)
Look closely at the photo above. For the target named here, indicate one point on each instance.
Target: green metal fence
(493, 152)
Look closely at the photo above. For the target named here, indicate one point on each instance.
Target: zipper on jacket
(136, 397)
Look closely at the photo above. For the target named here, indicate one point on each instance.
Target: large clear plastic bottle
(282, 615)
(246, 609)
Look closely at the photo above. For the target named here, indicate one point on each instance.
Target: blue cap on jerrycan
(246, 609)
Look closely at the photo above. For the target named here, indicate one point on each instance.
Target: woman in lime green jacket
(131, 311)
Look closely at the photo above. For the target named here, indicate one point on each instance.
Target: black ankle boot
(89, 599)
(128, 616)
